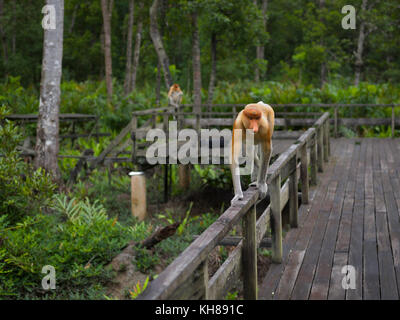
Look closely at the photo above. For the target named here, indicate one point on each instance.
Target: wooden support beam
(276, 218)
(293, 197)
(249, 255)
(304, 175)
(320, 149)
(314, 160)
(325, 129)
(393, 122)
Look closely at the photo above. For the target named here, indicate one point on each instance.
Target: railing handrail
(276, 105)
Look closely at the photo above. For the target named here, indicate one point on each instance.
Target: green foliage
(232, 296)
(214, 176)
(144, 260)
(23, 190)
(138, 289)
(77, 248)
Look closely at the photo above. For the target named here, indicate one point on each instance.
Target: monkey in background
(175, 96)
(260, 118)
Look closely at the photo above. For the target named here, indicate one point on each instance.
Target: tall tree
(158, 45)
(136, 52)
(322, 43)
(106, 9)
(365, 29)
(3, 35)
(260, 48)
(196, 64)
(128, 68)
(213, 73)
(47, 145)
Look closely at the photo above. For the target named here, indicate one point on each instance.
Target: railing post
(166, 166)
(293, 196)
(304, 174)
(325, 129)
(313, 159)
(276, 218)
(328, 135)
(249, 255)
(320, 134)
(393, 123)
(336, 121)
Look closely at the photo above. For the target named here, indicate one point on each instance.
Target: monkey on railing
(258, 117)
(175, 96)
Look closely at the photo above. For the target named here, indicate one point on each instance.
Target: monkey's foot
(263, 188)
(237, 198)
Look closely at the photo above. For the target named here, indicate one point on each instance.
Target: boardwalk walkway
(352, 219)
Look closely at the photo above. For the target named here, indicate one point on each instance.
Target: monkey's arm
(236, 149)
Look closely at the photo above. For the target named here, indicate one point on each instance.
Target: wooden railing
(187, 276)
(224, 118)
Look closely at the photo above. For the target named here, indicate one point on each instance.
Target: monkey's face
(253, 115)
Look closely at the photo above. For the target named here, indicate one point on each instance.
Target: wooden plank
(288, 279)
(320, 285)
(387, 275)
(336, 291)
(112, 145)
(370, 257)
(355, 257)
(391, 205)
(306, 217)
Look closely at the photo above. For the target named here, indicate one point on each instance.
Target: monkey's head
(254, 115)
(175, 86)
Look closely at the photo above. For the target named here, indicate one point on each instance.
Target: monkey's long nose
(254, 125)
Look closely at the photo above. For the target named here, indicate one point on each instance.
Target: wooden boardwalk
(352, 219)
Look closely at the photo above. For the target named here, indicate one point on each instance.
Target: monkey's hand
(237, 198)
(263, 188)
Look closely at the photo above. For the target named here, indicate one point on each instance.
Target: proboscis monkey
(258, 117)
(175, 96)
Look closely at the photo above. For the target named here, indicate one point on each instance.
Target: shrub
(77, 240)
(23, 190)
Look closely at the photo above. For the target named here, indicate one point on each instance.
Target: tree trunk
(71, 27)
(260, 49)
(47, 145)
(2, 35)
(128, 68)
(14, 32)
(213, 74)
(196, 65)
(360, 47)
(323, 64)
(136, 53)
(158, 45)
(106, 9)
